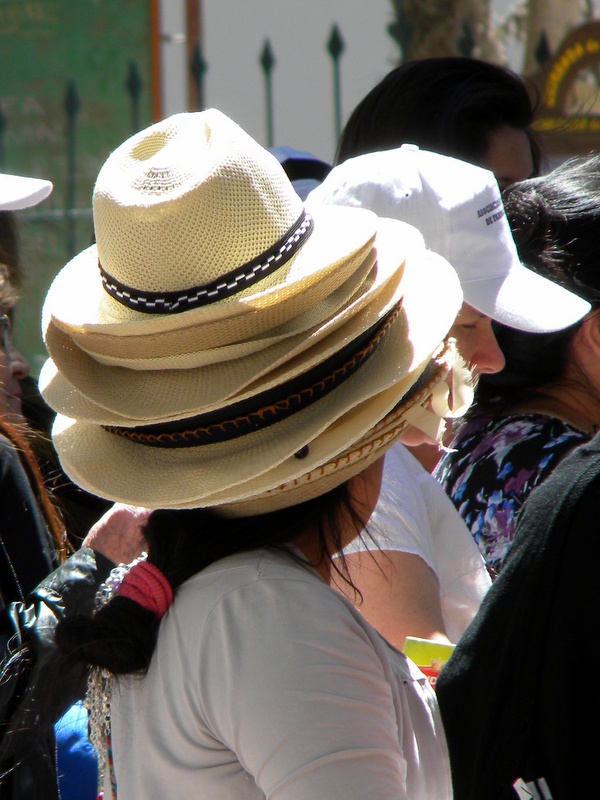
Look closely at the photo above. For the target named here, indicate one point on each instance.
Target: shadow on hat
(222, 344)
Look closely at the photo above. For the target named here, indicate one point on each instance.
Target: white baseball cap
(458, 208)
(17, 192)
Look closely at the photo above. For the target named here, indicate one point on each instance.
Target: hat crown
(187, 201)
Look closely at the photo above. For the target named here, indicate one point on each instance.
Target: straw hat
(112, 394)
(299, 330)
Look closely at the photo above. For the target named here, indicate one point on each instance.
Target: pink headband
(146, 585)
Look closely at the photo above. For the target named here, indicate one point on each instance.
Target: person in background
(304, 170)
(519, 691)
(546, 400)
(33, 543)
(32, 533)
(251, 676)
(517, 721)
(425, 580)
(79, 510)
(462, 107)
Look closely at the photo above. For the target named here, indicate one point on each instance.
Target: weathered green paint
(48, 48)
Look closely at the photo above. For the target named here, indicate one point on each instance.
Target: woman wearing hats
(240, 364)
(31, 531)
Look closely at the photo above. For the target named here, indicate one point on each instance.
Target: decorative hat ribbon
(226, 285)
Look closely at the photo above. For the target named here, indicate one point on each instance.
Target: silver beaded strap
(100, 680)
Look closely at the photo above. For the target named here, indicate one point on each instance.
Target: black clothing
(26, 551)
(519, 697)
(29, 664)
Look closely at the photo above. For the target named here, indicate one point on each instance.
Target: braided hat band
(222, 287)
(266, 408)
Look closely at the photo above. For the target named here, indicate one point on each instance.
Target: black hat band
(225, 286)
(267, 408)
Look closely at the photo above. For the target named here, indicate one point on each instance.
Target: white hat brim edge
(526, 301)
(18, 192)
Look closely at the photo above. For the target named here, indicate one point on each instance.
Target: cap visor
(18, 192)
(526, 301)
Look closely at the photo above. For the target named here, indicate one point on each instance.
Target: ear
(586, 341)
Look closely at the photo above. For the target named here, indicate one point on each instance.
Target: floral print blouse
(493, 465)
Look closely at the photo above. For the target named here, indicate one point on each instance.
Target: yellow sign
(562, 122)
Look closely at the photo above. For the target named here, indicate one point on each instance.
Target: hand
(118, 534)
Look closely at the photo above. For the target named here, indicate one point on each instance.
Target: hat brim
(115, 395)
(78, 304)
(18, 192)
(353, 459)
(118, 469)
(526, 301)
(189, 347)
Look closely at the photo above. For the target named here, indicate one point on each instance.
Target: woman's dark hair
(449, 105)
(122, 635)
(555, 220)
(9, 248)
(21, 439)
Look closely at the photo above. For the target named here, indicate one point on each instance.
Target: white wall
(234, 33)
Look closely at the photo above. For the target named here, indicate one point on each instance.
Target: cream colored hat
(168, 207)
(221, 340)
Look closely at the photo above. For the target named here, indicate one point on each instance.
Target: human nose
(487, 356)
(19, 366)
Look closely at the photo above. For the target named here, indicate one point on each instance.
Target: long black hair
(555, 220)
(450, 105)
(121, 636)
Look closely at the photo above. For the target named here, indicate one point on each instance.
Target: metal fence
(55, 231)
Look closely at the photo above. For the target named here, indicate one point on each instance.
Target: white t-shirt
(415, 515)
(267, 683)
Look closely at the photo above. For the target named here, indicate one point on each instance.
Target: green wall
(45, 47)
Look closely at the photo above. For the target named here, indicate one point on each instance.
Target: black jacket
(31, 664)
(520, 696)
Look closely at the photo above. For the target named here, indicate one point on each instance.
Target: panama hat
(458, 208)
(167, 206)
(120, 466)
(230, 337)
(132, 396)
(219, 432)
(17, 191)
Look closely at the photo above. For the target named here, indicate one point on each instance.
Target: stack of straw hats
(222, 345)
